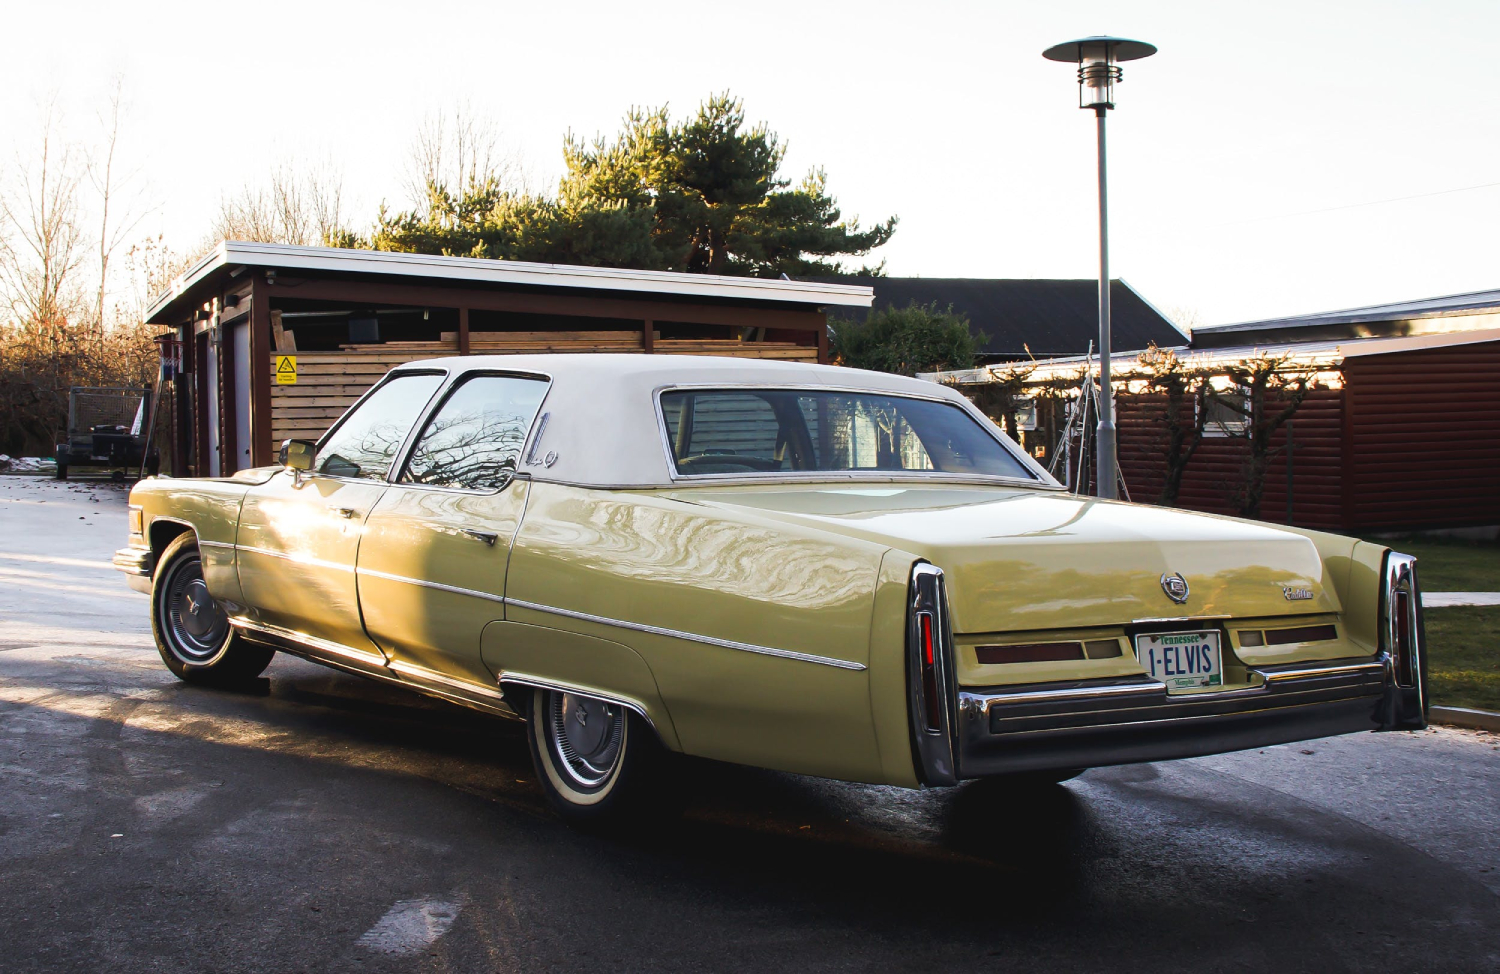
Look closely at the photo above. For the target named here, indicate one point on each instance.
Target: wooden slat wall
(1216, 469)
(328, 383)
(1424, 428)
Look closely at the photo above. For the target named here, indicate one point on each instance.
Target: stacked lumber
(328, 383)
(733, 349)
(541, 342)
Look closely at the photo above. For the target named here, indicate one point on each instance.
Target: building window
(1025, 414)
(1228, 412)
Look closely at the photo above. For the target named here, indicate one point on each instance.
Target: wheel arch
(163, 531)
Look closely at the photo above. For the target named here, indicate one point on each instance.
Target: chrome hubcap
(585, 735)
(196, 625)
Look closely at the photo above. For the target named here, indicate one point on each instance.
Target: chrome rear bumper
(1047, 727)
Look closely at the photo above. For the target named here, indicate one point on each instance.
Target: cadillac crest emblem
(1175, 586)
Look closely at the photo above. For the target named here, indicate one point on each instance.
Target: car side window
(474, 440)
(365, 443)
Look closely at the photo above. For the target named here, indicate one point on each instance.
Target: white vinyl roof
(484, 271)
(603, 429)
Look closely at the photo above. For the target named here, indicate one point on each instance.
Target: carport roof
(1469, 303)
(1328, 354)
(475, 270)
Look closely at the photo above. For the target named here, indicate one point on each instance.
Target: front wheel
(192, 629)
(598, 762)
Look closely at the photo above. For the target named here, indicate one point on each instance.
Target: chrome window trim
(399, 457)
(441, 587)
(454, 379)
(842, 664)
(1040, 478)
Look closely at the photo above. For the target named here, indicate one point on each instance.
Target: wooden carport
(348, 316)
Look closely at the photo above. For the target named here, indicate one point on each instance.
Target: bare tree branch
(41, 237)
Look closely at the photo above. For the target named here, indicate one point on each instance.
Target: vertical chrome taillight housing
(1402, 642)
(929, 655)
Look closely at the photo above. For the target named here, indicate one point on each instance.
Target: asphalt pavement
(327, 823)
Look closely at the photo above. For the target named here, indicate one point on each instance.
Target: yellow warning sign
(286, 370)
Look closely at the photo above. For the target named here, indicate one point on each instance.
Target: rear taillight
(1402, 650)
(931, 698)
(929, 653)
(1400, 630)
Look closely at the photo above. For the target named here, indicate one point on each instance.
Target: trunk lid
(1025, 559)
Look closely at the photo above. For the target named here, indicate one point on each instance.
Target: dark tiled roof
(1048, 317)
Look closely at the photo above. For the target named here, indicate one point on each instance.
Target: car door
(432, 566)
(299, 536)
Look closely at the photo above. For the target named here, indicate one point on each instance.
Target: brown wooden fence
(1217, 469)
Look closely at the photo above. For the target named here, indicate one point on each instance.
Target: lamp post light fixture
(1098, 69)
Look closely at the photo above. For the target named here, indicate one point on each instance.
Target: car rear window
(767, 431)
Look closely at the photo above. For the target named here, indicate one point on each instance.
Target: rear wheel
(598, 762)
(192, 629)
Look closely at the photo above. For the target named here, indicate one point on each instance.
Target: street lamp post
(1098, 69)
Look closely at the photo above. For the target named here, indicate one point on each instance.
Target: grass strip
(1463, 656)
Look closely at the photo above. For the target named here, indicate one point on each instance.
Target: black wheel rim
(195, 625)
(585, 736)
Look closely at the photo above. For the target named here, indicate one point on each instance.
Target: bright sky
(1248, 159)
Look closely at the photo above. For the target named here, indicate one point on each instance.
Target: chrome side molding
(842, 664)
(545, 683)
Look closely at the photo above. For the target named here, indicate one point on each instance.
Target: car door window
(473, 441)
(365, 443)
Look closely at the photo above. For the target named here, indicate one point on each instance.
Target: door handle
(488, 537)
(347, 512)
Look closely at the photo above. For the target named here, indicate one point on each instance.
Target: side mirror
(298, 455)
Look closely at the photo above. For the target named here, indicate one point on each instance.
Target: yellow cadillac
(798, 567)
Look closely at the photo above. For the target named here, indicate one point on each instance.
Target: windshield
(755, 431)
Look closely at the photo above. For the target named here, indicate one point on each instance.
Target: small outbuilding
(270, 342)
(1395, 424)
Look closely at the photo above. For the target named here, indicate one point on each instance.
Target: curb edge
(1485, 720)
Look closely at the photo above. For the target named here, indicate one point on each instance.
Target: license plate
(1182, 660)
